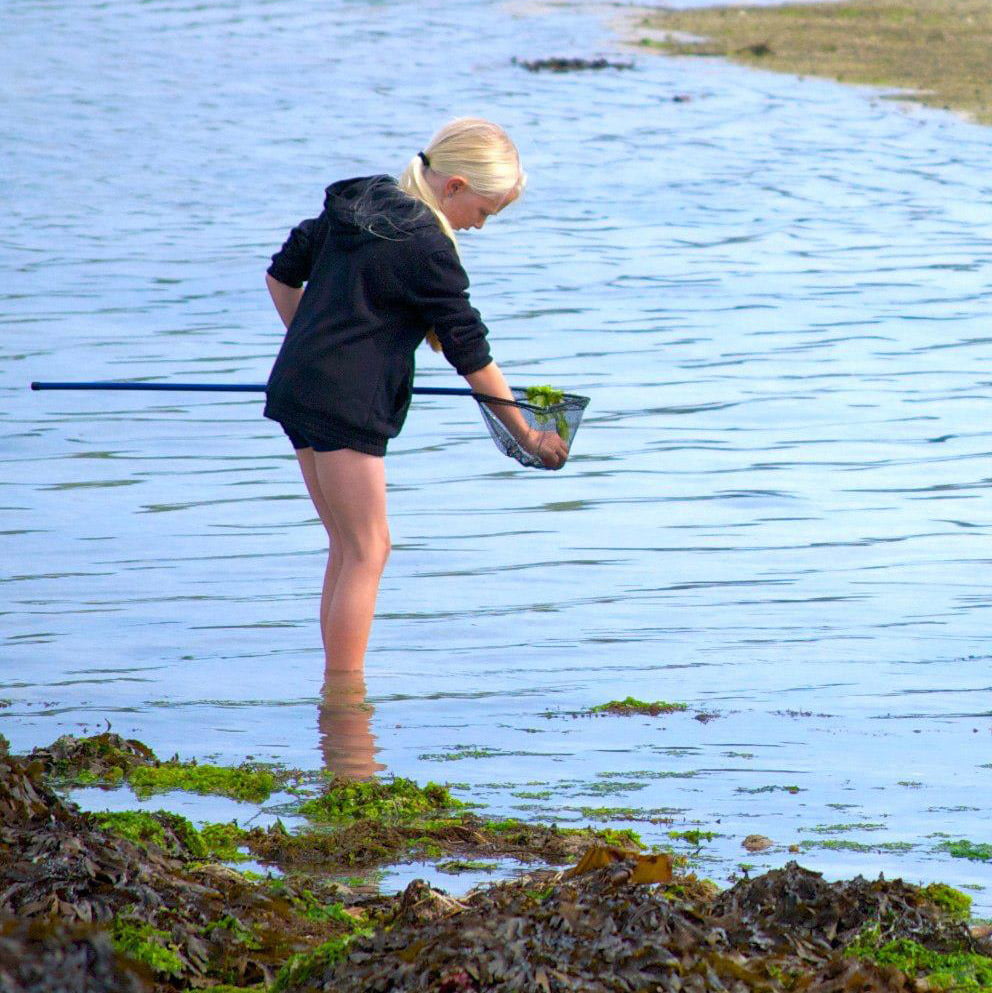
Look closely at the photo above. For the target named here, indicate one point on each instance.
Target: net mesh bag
(562, 417)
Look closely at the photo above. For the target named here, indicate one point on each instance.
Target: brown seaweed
(63, 958)
(600, 932)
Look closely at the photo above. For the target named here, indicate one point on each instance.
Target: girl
(381, 270)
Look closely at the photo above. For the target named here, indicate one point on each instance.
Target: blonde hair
(477, 150)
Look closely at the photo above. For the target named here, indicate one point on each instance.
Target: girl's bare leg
(351, 488)
(308, 466)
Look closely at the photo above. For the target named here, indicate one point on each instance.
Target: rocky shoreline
(138, 902)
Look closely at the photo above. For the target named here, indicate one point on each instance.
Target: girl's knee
(371, 552)
(380, 553)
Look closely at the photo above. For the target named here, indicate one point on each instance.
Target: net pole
(213, 387)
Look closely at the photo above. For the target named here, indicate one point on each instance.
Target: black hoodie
(379, 274)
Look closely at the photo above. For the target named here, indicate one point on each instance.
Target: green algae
(237, 931)
(244, 782)
(791, 788)
(101, 758)
(224, 840)
(610, 787)
(455, 866)
(693, 836)
(648, 774)
(630, 705)
(392, 800)
(654, 815)
(108, 760)
(955, 970)
(843, 828)
(963, 849)
(620, 837)
(175, 834)
(136, 825)
(305, 966)
(148, 945)
(462, 752)
(547, 397)
(956, 904)
(846, 845)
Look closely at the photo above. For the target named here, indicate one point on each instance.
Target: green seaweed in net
(548, 396)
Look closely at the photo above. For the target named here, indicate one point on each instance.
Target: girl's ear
(453, 185)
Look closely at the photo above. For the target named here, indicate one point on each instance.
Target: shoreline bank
(933, 52)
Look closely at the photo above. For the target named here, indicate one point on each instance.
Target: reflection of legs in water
(345, 723)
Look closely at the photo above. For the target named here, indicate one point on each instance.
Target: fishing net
(562, 416)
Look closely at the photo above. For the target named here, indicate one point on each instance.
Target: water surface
(777, 511)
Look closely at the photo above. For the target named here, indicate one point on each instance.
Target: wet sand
(936, 52)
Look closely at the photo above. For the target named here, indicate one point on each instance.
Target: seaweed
(133, 902)
(59, 958)
(559, 64)
(630, 705)
(942, 970)
(599, 929)
(397, 799)
(242, 783)
(548, 397)
(106, 758)
(964, 849)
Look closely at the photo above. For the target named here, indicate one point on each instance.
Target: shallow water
(777, 510)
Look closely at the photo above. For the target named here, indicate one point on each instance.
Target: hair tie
(424, 159)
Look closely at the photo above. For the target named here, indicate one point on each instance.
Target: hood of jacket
(373, 207)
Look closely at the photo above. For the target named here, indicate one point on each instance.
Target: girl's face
(464, 208)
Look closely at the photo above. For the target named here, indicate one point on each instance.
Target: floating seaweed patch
(396, 799)
(245, 782)
(964, 849)
(630, 705)
(769, 789)
(557, 64)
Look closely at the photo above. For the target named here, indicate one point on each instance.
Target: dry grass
(938, 50)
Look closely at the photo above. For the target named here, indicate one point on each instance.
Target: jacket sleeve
(439, 288)
(293, 262)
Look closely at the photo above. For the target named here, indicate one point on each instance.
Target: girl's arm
(546, 445)
(286, 298)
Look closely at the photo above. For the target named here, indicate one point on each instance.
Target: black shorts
(310, 441)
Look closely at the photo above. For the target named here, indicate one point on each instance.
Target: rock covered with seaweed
(596, 932)
(68, 886)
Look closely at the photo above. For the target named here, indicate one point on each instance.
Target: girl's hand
(546, 446)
